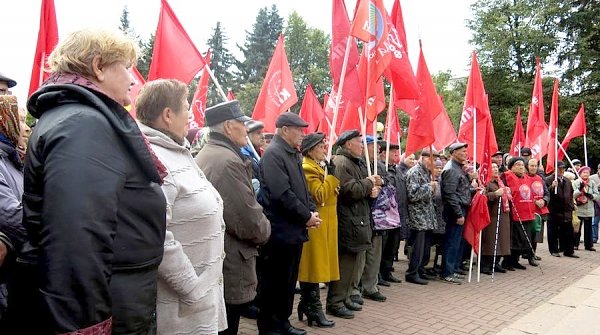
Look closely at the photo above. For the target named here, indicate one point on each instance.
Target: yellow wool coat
(319, 261)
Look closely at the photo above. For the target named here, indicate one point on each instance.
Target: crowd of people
(115, 226)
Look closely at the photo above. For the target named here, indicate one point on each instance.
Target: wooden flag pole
(585, 153)
(375, 151)
(389, 133)
(363, 126)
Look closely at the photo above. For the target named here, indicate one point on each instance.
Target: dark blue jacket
(284, 194)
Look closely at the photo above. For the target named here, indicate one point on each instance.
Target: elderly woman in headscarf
(585, 194)
(319, 260)
(12, 233)
(93, 207)
(495, 237)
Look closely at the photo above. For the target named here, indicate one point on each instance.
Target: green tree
(308, 54)
(145, 57)
(222, 62)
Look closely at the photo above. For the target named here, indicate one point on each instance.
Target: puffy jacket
(354, 210)
(94, 212)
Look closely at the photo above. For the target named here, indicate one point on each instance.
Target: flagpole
(556, 158)
(216, 82)
(338, 98)
(389, 133)
(569, 159)
(585, 149)
(375, 151)
(475, 169)
(363, 126)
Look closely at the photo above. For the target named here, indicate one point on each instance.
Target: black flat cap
(9, 82)
(525, 151)
(425, 152)
(224, 111)
(498, 153)
(561, 165)
(456, 146)
(290, 119)
(310, 141)
(383, 146)
(347, 136)
(576, 161)
(254, 125)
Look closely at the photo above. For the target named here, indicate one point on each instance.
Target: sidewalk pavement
(572, 311)
(481, 308)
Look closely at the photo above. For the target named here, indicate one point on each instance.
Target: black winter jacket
(94, 212)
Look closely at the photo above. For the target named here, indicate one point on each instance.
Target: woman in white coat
(190, 284)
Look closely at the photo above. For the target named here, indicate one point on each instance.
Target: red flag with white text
(475, 107)
(536, 135)
(278, 93)
(174, 55)
(518, 140)
(47, 40)
(552, 130)
(198, 106)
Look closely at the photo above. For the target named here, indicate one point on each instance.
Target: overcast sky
(441, 25)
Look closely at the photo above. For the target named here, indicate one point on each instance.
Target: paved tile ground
(476, 308)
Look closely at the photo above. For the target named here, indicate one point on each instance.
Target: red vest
(522, 197)
(537, 188)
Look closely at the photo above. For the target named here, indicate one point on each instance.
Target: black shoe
(416, 280)
(341, 312)
(390, 278)
(357, 299)
(555, 254)
(382, 282)
(427, 276)
(571, 255)
(499, 269)
(461, 272)
(353, 306)
(486, 270)
(538, 258)
(294, 331)
(590, 249)
(520, 266)
(533, 262)
(375, 296)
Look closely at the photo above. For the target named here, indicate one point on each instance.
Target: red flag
(350, 120)
(537, 129)
(373, 91)
(174, 55)
(47, 40)
(340, 30)
(392, 127)
(230, 95)
(576, 129)
(490, 146)
(398, 21)
(420, 128)
(477, 219)
(400, 71)
(444, 130)
(475, 106)
(552, 133)
(518, 140)
(135, 88)
(311, 110)
(198, 106)
(370, 24)
(277, 93)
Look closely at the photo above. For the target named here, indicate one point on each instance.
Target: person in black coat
(289, 207)
(93, 206)
(560, 218)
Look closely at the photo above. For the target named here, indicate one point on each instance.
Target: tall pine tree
(221, 64)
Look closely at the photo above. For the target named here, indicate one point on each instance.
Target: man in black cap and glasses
(456, 197)
(5, 84)
(289, 207)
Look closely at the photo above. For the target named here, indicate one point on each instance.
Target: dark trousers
(339, 290)
(560, 236)
(421, 243)
(234, 313)
(586, 225)
(452, 252)
(278, 265)
(391, 241)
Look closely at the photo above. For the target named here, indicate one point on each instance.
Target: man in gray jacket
(246, 226)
